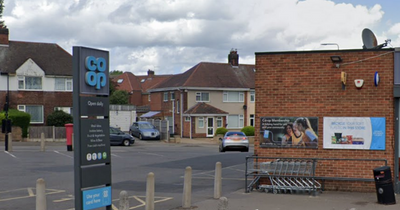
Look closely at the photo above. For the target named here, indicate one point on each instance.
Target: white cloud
(172, 36)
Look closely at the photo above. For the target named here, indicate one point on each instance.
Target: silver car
(234, 140)
(144, 130)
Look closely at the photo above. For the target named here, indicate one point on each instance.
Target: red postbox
(69, 130)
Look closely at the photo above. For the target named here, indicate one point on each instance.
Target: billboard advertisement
(298, 132)
(355, 133)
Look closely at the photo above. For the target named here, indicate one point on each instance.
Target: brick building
(309, 84)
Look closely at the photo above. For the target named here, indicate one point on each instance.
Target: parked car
(117, 137)
(234, 140)
(144, 130)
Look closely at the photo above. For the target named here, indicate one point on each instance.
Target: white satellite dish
(370, 41)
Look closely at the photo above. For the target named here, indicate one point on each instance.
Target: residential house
(137, 86)
(206, 97)
(38, 77)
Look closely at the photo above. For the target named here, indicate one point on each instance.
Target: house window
(233, 96)
(63, 84)
(252, 96)
(178, 106)
(166, 96)
(252, 120)
(235, 121)
(219, 122)
(36, 112)
(202, 97)
(29, 83)
(149, 98)
(187, 119)
(67, 110)
(172, 96)
(201, 122)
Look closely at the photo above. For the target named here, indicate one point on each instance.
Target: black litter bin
(384, 185)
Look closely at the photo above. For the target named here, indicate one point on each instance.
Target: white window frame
(200, 121)
(67, 110)
(23, 109)
(219, 122)
(22, 83)
(172, 96)
(187, 119)
(200, 96)
(240, 96)
(252, 120)
(67, 84)
(178, 106)
(165, 96)
(252, 96)
(240, 121)
(149, 97)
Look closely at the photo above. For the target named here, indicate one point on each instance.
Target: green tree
(59, 118)
(119, 97)
(2, 25)
(115, 72)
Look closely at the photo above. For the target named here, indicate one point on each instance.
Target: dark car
(144, 130)
(117, 137)
(234, 140)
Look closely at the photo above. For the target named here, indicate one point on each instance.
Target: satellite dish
(369, 39)
(370, 42)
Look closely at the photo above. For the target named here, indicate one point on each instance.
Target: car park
(234, 141)
(144, 130)
(118, 137)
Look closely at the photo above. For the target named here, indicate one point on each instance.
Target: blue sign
(96, 198)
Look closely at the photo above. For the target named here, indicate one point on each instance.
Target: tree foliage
(119, 97)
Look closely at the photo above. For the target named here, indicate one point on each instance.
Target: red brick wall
(308, 84)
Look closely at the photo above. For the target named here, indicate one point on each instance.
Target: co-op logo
(95, 76)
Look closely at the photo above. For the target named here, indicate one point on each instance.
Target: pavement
(256, 200)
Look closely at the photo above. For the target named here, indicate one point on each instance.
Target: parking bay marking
(24, 191)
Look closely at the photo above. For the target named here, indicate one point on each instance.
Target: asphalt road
(22, 167)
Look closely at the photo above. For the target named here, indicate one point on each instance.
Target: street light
(6, 123)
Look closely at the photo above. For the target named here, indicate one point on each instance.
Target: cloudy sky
(170, 36)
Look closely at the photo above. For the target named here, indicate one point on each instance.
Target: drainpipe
(181, 110)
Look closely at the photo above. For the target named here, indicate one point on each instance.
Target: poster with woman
(299, 132)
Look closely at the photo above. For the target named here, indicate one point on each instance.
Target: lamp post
(6, 106)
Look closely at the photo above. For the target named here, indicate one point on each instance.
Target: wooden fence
(50, 132)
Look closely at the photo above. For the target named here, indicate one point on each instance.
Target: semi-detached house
(206, 97)
(39, 77)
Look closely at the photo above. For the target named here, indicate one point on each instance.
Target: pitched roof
(202, 108)
(139, 82)
(51, 58)
(218, 75)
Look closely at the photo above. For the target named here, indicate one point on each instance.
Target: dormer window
(142, 80)
(120, 81)
(29, 83)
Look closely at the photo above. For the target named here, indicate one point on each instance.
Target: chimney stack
(4, 36)
(150, 73)
(233, 58)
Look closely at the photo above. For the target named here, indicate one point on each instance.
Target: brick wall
(291, 84)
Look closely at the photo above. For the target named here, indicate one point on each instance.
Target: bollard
(223, 203)
(10, 149)
(150, 192)
(217, 181)
(42, 143)
(123, 200)
(41, 203)
(187, 188)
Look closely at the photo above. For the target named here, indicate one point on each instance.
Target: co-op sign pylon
(92, 158)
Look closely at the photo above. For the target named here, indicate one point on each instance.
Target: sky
(171, 36)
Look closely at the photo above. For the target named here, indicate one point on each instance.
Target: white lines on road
(63, 154)
(10, 154)
(143, 203)
(148, 153)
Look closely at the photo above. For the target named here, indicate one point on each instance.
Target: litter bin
(384, 185)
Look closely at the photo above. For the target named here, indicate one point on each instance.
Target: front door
(210, 127)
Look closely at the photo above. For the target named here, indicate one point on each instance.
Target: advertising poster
(354, 133)
(299, 132)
